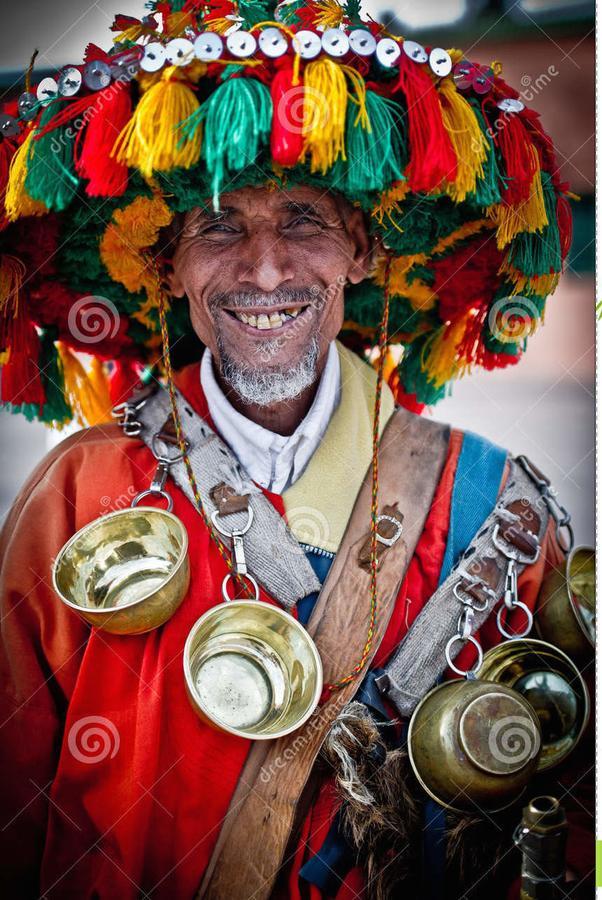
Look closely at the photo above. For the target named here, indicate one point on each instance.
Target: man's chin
(265, 379)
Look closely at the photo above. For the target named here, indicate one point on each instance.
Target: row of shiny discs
(209, 46)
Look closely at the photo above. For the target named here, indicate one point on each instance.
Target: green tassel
(254, 11)
(539, 253)
(50, 177)
(237, 119)
(413, 377)
(422, 221)
(376, 157)
(487, 191)
(56, 409)
(364, 305)
(289, 14)
(353, 12)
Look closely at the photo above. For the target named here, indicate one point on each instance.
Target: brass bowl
(252, 670)
(126, 572)
(552, 684)
(473, 745)
(565, 612)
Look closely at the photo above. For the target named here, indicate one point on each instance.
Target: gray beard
(268, 386)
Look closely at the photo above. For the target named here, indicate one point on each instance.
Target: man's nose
(264, 263)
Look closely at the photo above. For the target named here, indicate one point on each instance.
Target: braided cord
(383, 337)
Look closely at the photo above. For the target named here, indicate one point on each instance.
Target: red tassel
(408, 401)
(287, 121)
(519, 165)
(20, 382)
(111, 112)
(432, 157)
(123, 379)
(564, 218)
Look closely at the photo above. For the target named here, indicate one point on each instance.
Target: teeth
(293, 312)
(252, 321)
(263, 322)
(275, 320)
(242, 317)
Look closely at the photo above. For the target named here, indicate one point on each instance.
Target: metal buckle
(514, 553)
(388, 542)
(458, 586)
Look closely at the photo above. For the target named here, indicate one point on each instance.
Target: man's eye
(305, 223)
(217, 228)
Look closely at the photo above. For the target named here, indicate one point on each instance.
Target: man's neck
(281, 418)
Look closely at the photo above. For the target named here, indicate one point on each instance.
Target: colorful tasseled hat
(204, 96)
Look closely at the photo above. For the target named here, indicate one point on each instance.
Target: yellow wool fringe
(530, 215)
(324, 107)
(460, 234)
(362, 118)
(17, 201)
(543, 285)
(149, 140)
(330, 14)
(469, 142)
(389, 203)
(131, 231)
(86, 393)
(439, 355)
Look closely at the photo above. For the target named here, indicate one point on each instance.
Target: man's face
(265, 277)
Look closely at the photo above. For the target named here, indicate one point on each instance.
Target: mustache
(276, 299)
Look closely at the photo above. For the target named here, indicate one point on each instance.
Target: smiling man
(251, 311)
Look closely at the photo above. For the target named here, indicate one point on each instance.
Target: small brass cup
(473, 745)
(252, 670)
(565, 612)
(552, 684)
(126, 572)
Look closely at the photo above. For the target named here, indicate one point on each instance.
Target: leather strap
(251, 847)
(520, 519)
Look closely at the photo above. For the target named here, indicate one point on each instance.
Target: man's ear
(173, 280)
(366, 248)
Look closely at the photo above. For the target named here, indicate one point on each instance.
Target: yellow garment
(318, 505)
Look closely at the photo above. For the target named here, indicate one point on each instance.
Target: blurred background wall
(544, 406)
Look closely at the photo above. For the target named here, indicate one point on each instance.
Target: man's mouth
(269, 319)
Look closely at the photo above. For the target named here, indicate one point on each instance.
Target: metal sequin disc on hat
(415, 51)
(179, 52)
(9, 126)
(307, 44)
(69, 81)
(388, 52)
(483, 81)
(335, 42)
(511, 105)
(154, 57)
(440, 62)
(463, 74)
(362, 42)
(208, 46)
(126, 69)
(272, 43)
(97, 75)
(47, 90)
(27, 105)
(241, 44)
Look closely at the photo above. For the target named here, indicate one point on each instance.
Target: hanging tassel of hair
(106, 176)
(324, 108)
(528, 215)
(286, 139)
(469, 142)
(50, 178)
(19, 344)
(432, 156)
(89, 399)
(237, 119)
(17, 200)
(376, 155)
(519, 164)
(151, 141)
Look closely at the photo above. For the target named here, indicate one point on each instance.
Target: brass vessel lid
(499, 733)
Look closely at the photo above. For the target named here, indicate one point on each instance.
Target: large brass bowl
(252, 670)
(552, 684)
(565, 612)
(126, 572)
(473, 745)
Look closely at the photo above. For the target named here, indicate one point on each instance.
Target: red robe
(111, 784)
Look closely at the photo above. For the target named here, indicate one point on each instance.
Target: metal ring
(239, 531)
(167, 459)
(466, 673)
(150, 493)
(518, 634)
(248, 577)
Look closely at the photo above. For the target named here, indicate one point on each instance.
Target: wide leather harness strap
(251, 847)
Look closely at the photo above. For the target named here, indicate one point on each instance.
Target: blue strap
(474, 494)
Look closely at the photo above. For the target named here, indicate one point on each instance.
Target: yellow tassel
(178, 22)
(324, 107)
(17, 201)
(460, 234)
(87, 394)
(131, 231)
(530, 215)
(439, 353)
(330, 14)
(468, 140)
(149, 140)
(389, 203)
(362, 119)
(543, 285)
